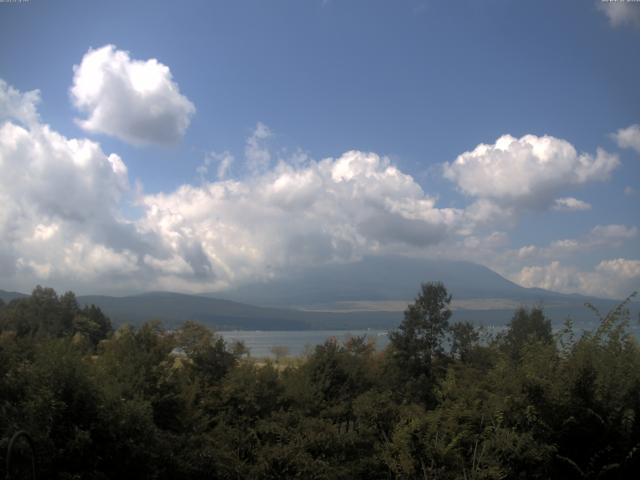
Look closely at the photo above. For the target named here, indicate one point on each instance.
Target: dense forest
(444, 400)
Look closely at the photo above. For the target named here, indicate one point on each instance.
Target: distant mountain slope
(369, 294)
(175, 308)
(386, 278)
(479, 294)
(8, 296)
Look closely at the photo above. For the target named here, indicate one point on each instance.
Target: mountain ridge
(402, 278)
(372, 293)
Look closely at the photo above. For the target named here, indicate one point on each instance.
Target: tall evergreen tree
(419, 340)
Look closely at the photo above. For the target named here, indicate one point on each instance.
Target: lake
(261, 342)
(298, 342)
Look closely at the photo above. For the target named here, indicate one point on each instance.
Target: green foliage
(45, 314)
(144, 402)
(464, 340)
(425, 324)
(418, 342)
(525, 327)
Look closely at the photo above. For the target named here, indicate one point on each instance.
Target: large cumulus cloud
(136, 101)
(18, 105)
(60, 198)
(63, 200)
(331, 210)
(529, 172)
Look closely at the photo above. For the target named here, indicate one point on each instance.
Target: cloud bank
(337, 209)
(63, 200)
(609, 236)
(60, 200)
(613, 278)
(133, 100)
(62, 220)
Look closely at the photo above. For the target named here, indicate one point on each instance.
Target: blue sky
(417, 83)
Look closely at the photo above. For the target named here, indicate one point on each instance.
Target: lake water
(260, 342)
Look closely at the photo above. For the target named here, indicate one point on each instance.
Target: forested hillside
(444, 400)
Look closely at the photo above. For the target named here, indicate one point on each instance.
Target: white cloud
(550, 266)
(620, 267)
(86, 260)
(629, 191)
(485, 213)
(600, 236)
(553, 276)
(474, 248)
(62, 200)
(614, 278)
(527, 172)
(612, 234)
(570, 204)
(224, 160)
(610, 278)
(331, 210)
(629, 137)
(224, 163)
(621, 13)
(44, 172)
(60, 215)
(136, 101)
(256, 152)
(17, 105)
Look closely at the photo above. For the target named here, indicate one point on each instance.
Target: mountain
(8, 296)
(380, 279)
(175, 308)
(372, 293)
(389, 283)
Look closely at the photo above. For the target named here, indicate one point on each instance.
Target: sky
(200, 145)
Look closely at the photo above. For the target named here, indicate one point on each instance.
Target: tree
(207, 351)
(92, 324)
(419, 339)
(527, 326)
(239, 349)
(464, 338)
